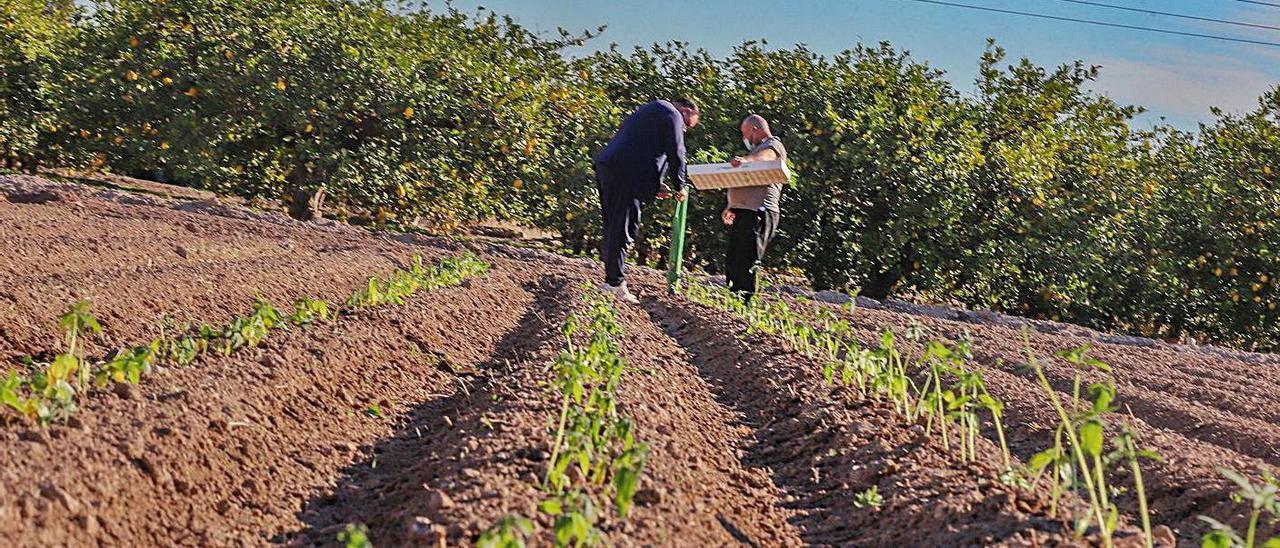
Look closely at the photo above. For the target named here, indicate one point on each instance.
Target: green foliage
(508, 532)
(34, 35)
(394, 110)
(355, 536)
(1032, 195)
(1262, 497)
(49, 391)
(870, 498)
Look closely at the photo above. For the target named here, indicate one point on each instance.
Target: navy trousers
(749, 236)
(620, 211)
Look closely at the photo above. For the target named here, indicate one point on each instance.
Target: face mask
(747, 143)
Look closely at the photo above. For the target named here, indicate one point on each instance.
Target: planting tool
(675, 262)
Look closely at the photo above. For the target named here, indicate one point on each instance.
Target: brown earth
(428, 422)
(1200, 412)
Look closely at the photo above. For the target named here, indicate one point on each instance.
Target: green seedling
(627, 468)
(575, 523)
(375, 411)
(1077, 458)
(869, 498)
(127, 365)
(1262, 497)
(76, 323)
(1127, 450)
(307, 310)
(508, 532)
(355, 536)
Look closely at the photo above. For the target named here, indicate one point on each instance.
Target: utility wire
(1260, 3)
(1101, 23)
(1178, 15)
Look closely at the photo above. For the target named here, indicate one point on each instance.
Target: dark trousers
(620, 211)
(749, 236)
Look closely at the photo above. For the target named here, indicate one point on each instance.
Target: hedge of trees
(1031, 195)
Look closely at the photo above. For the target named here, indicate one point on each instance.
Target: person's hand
(680, 196)
(728, 216)
(737, 161)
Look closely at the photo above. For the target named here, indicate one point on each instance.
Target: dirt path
(458, 463)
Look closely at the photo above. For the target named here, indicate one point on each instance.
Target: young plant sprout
(953, 397)
(1263, 497)
(508, 532)
(49, 391)
(869, 498)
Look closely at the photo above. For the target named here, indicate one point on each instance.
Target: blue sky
(1175, 77)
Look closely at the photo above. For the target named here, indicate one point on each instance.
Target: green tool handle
(676, 259)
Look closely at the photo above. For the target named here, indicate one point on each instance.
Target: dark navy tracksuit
(628, 172)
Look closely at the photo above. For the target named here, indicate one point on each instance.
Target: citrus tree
(33, 36)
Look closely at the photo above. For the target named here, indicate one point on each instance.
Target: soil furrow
(809, 435)
(459, 463)
(230, 451)
(131, 293)
(1195, 441)
(699, 488)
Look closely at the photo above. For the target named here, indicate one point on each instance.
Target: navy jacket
(649, 140)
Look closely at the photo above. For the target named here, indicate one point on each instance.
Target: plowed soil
(428, 422)
(1200, 411)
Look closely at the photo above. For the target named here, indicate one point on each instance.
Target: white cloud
(1184, 83)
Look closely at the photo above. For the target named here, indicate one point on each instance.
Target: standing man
(752, 213)
(628, 173)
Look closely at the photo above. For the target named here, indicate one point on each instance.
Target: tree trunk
(308, 204)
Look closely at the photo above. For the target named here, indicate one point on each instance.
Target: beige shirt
(760, 197)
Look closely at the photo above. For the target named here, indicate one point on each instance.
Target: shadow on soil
(392, 486)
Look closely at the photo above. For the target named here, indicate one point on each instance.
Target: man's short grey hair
(757, 121)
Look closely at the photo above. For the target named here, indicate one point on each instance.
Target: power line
(1260, 3)
(1178, 15)
(1101, 23)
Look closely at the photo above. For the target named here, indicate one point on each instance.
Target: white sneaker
(620, 291)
